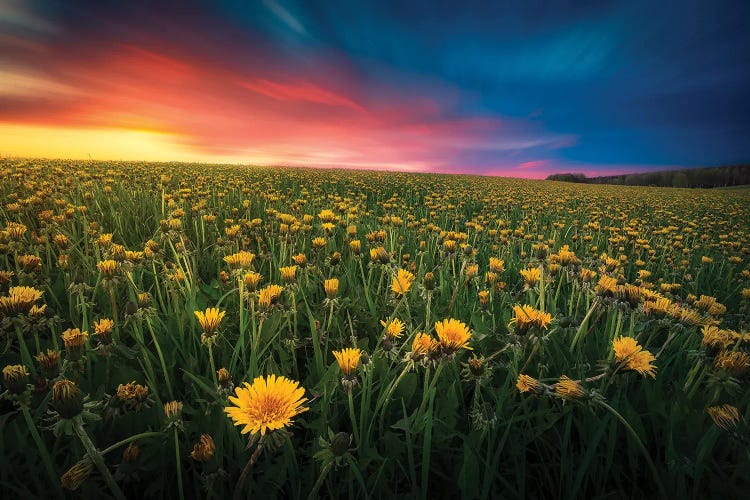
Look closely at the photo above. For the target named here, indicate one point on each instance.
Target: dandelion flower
(531, 276)
(210, 319)
(393, 329)
(633, 357)
(525, 383)
(268, 404)
(348, 360)
(725, 416)
(402, 282)
(568, 388)
(453, 335)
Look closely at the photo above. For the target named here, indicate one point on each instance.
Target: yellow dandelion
(633, 357)
(269, 296)
(288, 274)
(568, 388)
(331, 287)
(725, 416)
(453, 335)
(394, 329)
(268, 404)
(402, 282)
(525, 383)
(210, 319)
(531, 276)
(348, 360)
(240, 260)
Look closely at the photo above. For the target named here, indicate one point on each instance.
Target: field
(439, 336)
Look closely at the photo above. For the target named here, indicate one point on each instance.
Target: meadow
(195, 331)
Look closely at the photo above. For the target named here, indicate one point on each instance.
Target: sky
(520, 89)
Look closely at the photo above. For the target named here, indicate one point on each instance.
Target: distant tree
(680, 180)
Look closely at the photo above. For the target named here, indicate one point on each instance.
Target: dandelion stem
(41, 447)
(355, 429)
(638, 441)
(130, 439)
(179, 464)
(97, 460)
(246, 471)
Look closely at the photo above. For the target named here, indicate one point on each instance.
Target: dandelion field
(193, 331)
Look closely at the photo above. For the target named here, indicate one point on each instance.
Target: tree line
(733, 175)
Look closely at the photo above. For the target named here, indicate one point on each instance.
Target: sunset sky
(521, 89)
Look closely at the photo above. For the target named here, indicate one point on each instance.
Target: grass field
(450, 335)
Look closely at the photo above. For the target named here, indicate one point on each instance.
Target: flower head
(348, 360)
(525, 316)
(210, 319)
(402, 282)
(453, 335)
(569, 389)
(20, 300)
(394, 329)
(531, 276)
(269, 403)
(633, 357)
(725, 416)
(269, 295)
(203, 449)
(525, 383)
(331, 286)
(240, 260)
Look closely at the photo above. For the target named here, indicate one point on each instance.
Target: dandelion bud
(76, 475)
(204, 449)
(288, 274)
(67, 399)
(74, 341)
(340, 443)
(15, 378)
(725, 416)
(331, 287)
(173, 411)
(526, 383)
(355, 246)
(335, 258)
(48, 362)
(224, 378)
(569, 389)
(131, 453)
(429, 281)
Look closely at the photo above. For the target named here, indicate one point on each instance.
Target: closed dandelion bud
(468, 250)
(251, 280)
(173, 411)
(335, 258)
(131, 453)
(67, 399)
(725, 416)
(429, 281)
(103, 330)
(569, 389)
(76, 475)
(74, 341)
(15, 378)
(224, 378)
(204, 449)
(300, 259)
(340, 444)
(130, 308)
(288, 274)
(49, 362)
(525, 383)
(331, 287)
(484, 299)
(164, 225)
